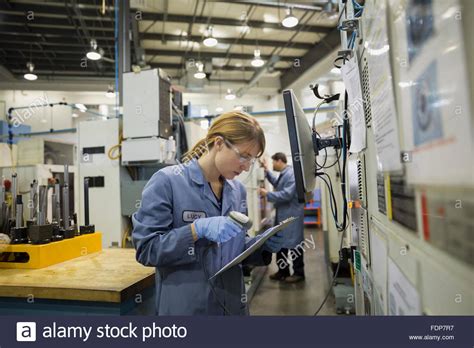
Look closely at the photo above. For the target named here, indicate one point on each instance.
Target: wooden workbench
(107, 282)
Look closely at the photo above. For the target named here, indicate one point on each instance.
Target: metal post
(33, 200)
(19, 212)
(43, 204)
(66, 206)
(14, 194)
(123, 43)
(86, 201)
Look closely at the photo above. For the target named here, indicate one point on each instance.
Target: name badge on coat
(190, 216)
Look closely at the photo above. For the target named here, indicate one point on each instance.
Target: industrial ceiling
(56, 35)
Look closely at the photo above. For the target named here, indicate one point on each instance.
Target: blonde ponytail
(236, 127)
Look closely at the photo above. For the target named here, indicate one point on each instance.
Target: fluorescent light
(210, 40)
(230, 95)
(75, 115)
(290, 21)
(219, 109)
(257, 61)
(199, 74)
(81, 107)
(93, 53)
(30, 76)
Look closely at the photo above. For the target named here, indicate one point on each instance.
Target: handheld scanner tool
(241, 219)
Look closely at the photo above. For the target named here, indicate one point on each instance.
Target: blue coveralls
(285, 201)
(173, 198)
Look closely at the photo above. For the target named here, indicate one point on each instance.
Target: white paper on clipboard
(257, 245)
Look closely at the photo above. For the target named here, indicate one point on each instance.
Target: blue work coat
(173, 198)
(285, 201)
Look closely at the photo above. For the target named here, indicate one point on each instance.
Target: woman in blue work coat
(183, 230)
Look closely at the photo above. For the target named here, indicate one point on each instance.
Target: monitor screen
(300, 133)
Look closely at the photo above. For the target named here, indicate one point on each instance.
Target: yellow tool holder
(39, 256)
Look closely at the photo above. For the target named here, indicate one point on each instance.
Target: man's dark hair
(279, 156)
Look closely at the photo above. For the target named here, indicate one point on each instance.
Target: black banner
(99, 331)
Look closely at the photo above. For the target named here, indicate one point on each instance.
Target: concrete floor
(304, 298)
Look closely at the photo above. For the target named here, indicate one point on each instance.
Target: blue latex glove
(274, 243)
(217, 228)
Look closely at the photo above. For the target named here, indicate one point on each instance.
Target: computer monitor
(304, 161)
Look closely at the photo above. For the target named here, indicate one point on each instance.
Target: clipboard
(257, 245)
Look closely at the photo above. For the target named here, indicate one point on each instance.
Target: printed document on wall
(433, 92)
(382, 102)
(351, 77)
(403, 298)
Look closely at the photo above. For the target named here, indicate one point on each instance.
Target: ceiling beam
(318, 52)
(63, 36)
(48, 9)
(284, 5)
(79, 53)
(71, 64)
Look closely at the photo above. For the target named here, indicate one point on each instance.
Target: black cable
(335, 275)
(345, 127)
(333, 196)
(338, 155)
(340, 14)
(343, 230)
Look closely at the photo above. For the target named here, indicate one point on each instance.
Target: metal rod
(66, 175)
(86, 201)
(57, 203)
(3, 217)
(33, 200)
(43, 204)
(2, 192)
(19, 212)
(14, 194)
(66, 206)
(53, 207)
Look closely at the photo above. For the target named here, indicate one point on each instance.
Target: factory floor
(303, 298)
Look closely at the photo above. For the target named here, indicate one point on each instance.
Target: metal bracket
(350, 25)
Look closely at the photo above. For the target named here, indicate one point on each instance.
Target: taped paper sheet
(351, 77)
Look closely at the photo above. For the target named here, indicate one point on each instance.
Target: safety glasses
(243, 159)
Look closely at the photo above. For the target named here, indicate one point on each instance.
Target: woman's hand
(217, 228)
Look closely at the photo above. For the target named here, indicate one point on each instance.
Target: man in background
(285, 200)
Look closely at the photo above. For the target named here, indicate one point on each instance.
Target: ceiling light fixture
(94, 54)
(110, 92)
(199, 74)
(30, 76)
(230, 95)
(75, 115)
(257, 61)
(210, 40)
(289, 21)
(81, 107)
